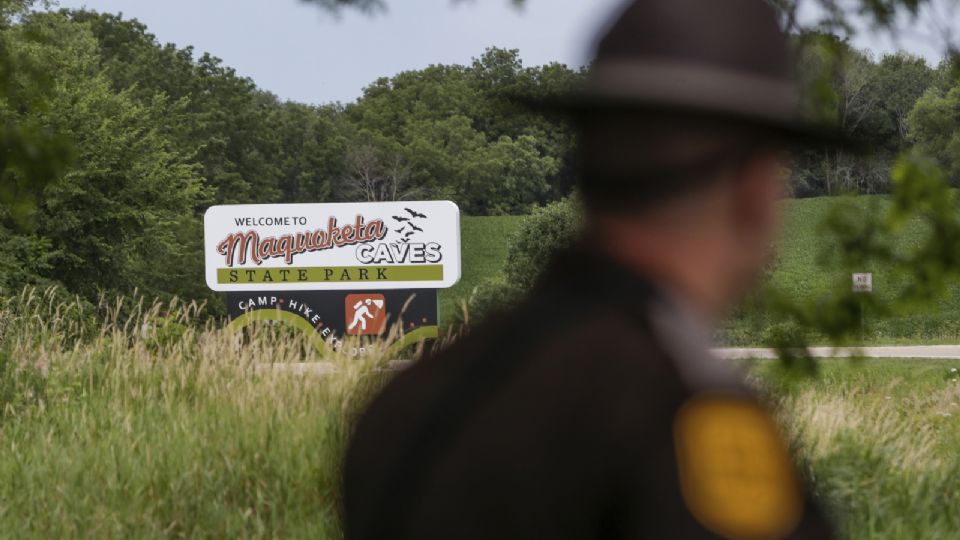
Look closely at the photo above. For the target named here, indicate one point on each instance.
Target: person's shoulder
(608, 361)
(393, 419)
(584, 336)
(579, 332)
(411, 390)
(604, 339)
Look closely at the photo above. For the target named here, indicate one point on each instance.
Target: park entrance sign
(345, 246)
(335, 270)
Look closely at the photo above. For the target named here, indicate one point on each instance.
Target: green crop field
(484, 244)
(802, 271)
(799, 271)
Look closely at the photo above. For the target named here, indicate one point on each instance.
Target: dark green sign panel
(329, 317)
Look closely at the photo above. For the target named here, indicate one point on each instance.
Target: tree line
(158, 133)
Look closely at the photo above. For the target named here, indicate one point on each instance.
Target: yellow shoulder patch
(736, 476)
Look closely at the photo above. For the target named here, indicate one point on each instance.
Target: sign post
(335, 270)
(863, 284)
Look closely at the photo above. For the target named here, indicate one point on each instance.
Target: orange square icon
(366, 314)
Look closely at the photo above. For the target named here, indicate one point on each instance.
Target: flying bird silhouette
(398, 218)
(409, 234)
(400, 230)
(418, 229)
(414, 213)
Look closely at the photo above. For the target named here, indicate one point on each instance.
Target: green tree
(465, 138)
(121, 218)
(902, 79)
(309, 149)
(934, 124)
(868, 101)
(30, 155)
(221, 118)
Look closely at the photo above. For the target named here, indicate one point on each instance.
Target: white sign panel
(863, 282)
(335, 246)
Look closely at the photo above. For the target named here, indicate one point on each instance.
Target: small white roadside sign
(863, 282)
(332, 246)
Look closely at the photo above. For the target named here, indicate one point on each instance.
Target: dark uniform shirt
(559, 420)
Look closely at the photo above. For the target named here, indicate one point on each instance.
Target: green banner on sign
(330, 274)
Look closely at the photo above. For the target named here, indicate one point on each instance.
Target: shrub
(543, 233)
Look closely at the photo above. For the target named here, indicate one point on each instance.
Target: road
(906, 351)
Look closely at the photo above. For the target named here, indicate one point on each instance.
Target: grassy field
(142, 425)
(485, 241)
(146, 427)
(878, 439)
(799, 272)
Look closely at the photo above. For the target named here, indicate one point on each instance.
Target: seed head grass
(878, 442)
(150, 425)
(133, 420)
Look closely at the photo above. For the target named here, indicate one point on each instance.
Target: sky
(302, 53)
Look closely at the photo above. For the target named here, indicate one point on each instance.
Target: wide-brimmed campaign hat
(727, 60)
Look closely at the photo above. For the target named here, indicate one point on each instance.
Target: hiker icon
(365, 314)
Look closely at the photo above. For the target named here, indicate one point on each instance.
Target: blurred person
(594, 409)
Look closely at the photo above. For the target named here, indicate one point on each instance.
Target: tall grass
(126, 420)
(879, 442)
(146, 425)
